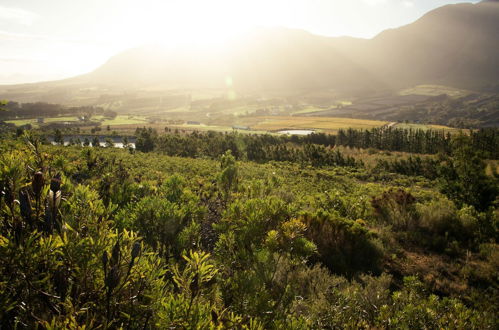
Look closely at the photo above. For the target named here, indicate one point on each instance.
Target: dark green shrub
(159, 221)
(396, 208)
(344, 246)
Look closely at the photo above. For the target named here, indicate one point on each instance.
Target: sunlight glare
(191, 22)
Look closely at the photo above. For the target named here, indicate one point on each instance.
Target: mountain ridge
(454, 45)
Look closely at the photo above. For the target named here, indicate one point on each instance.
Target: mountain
(264, 59)
(455, 45)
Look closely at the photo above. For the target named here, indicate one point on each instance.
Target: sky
(54, 39)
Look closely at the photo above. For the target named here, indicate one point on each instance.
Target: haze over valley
(263, 164)
(450, 52)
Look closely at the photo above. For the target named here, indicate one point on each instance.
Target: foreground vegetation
(246, 238)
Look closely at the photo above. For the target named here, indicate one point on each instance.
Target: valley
(214, 165)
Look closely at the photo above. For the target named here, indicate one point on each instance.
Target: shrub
(251, 220)
(412, 308)
(344, 246)
(395, 207)
(64, 265)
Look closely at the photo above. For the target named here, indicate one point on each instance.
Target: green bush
(160, 222)
(396, 208)
(344, 246)
(102, 238)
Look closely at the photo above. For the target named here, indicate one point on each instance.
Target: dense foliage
(107, 238)
(306, 148)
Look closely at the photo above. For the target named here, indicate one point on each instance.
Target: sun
(190, 21)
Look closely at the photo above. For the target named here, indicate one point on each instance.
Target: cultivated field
(425, 127)
(123, 120)
(434, 90)
(126, 124)
(33, 121)
(119, 120)
(322, 124)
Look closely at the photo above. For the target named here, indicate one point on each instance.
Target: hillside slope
(455, 45)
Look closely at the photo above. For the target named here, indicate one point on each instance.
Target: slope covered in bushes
(102, 237)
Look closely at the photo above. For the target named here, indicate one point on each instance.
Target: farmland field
(424, 127)
(434, 90)
(124, 120)
(119, 120)
(33, 121)
(309, 109)
(324, 124)
(262, 124)
(126, 124)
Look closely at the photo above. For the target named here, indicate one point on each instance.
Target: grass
(216, 128)
(424, 127)
(258, 124)
(238, 111)
(202, 127)
(124, 120)
(434, 90)
(34, 123)
(160, 127)
(325, 124)
(119, 120)
(19, 122)
(310, 109)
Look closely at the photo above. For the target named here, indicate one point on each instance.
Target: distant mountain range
(455, 45)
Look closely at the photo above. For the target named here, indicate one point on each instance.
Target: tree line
(259, 148)
(43, 109)
(291, 148)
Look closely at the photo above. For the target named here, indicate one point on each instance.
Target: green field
(34, 123)
(325, 124)
(217, 128)
(424, 127)
(310, 109)
(119, 120)
(124, 120)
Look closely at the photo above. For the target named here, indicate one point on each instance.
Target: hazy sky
(52, 39)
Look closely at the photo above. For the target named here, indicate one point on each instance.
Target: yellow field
(425, 127)
(123, 120)
(323, 124)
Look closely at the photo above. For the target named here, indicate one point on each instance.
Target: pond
(297, 132)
